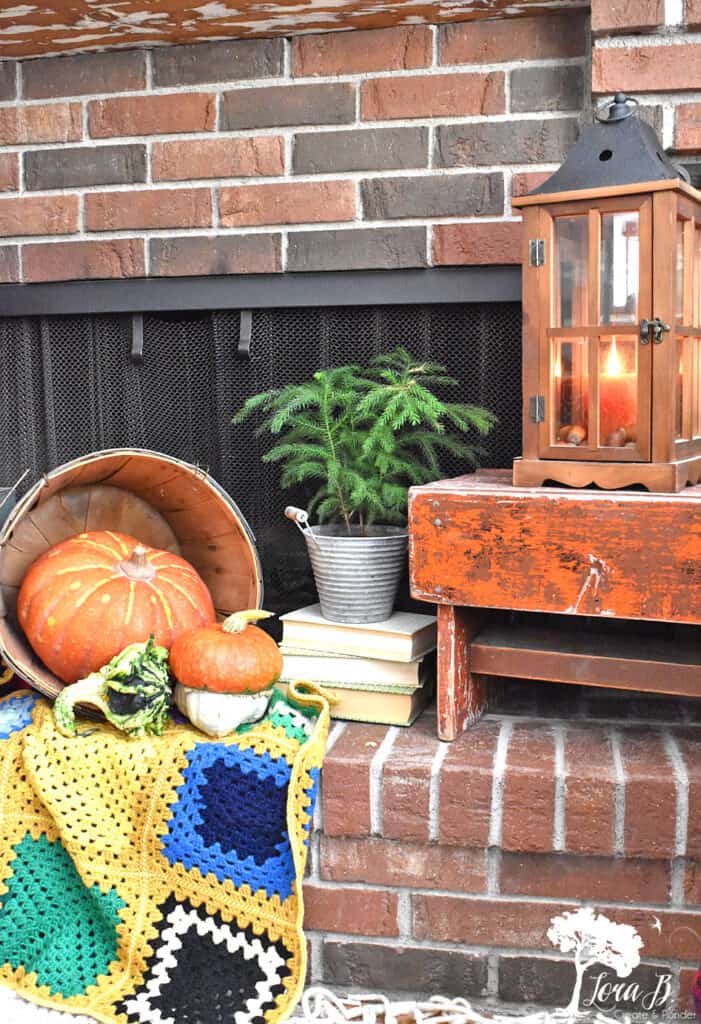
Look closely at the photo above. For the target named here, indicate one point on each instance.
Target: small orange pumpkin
(85, 599)
(233, 656)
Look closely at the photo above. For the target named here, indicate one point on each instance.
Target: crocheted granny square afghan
(157, 880)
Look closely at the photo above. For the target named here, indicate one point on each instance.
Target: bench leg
(462, 697)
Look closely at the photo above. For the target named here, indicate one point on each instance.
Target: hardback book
(405, 636)
(377, 708)
(356, 673)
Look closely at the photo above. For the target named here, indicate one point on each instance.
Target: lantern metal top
(618, 149)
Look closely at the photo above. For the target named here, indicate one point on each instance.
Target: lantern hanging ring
(617, 109)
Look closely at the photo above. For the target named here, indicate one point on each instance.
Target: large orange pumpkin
(227, 657)
(86, 598)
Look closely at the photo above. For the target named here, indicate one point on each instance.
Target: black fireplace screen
(69, 385)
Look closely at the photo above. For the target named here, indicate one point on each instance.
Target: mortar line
(681, 782)
(376, 768)
(434, 793)
(335, 732)
(404, 921)
(559, 735)
(620, 793)
(499, 769)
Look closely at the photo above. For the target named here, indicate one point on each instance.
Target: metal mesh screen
(69, 386)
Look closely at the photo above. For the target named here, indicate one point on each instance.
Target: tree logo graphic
(594, 939)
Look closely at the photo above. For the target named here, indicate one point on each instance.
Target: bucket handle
(14, 487)
(301, 520)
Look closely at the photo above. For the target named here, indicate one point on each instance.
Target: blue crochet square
(16, 713)
(230, 818)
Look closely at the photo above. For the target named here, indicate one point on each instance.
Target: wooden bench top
(478, 541)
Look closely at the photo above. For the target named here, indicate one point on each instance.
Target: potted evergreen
(363, 436)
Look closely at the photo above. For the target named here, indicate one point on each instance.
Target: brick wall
(436, 868)
(372, 149)
(652, 49)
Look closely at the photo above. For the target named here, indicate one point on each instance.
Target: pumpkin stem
(237, 622)
(137, 566)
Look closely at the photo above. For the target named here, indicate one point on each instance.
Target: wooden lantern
(612, 315)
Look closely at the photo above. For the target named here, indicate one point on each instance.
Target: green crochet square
(52, 924)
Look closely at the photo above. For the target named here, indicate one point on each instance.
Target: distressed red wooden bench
(583, 569)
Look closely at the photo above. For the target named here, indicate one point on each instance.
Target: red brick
(679, 938)
(370, 965)
(495, 40)
(529, 790)
(446, 95)
(639, 69)
(650, 795)
(68, 261)
(590, 802)
(483, 922)
(152, 115)
(563, 876)
(686, 983)
(9, 172)
(344, 53)
(215, 254)
(612, 16)
(184, 160)
(80, 74)
(356, 911)
(406, 782)
(39, 215)
(495, 242)
(465, 795)
(692, 882)
(522, 184)
(346, 789)
(162, 208)
(420, 865)
(9, 264)
(51, 122)
(357, 249)
(687, 135)
(688, 743)
(289, 203)
(692, 13)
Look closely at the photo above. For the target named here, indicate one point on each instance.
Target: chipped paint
(56, 26)
(597, 572)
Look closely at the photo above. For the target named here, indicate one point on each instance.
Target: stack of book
(377, 671)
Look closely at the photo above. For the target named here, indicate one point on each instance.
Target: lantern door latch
(536, 408)
(652, 330)
(536, 252)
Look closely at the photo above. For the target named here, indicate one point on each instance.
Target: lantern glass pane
(569, 375)
(679, 263)
(620, 263)
(679, 407)
(571, 309)
(696, 311)
(618, 391)
(696, 417)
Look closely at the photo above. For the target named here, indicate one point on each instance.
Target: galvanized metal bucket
(356, 576)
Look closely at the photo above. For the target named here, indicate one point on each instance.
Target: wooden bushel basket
(163, 502)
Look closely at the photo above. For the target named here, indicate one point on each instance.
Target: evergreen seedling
(363, 435)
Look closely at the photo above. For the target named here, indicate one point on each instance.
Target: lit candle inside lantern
(618, 398)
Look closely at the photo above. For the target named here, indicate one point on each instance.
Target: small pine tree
(365, 435)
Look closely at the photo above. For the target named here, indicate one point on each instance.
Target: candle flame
(614, 366)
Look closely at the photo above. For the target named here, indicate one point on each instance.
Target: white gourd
(219, 714)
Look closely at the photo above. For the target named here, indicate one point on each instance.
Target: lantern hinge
(536, 252)
(536, 408)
